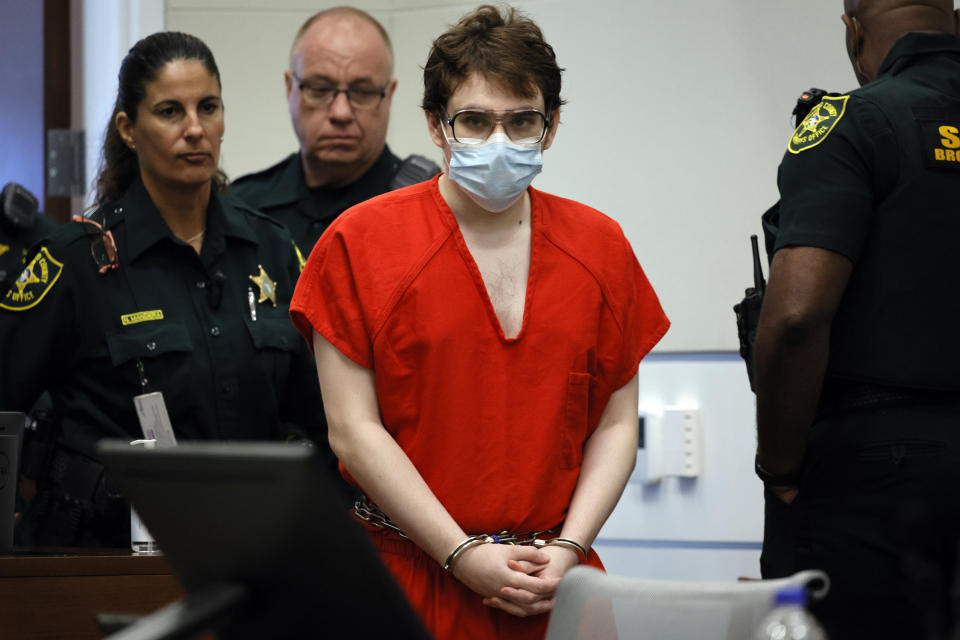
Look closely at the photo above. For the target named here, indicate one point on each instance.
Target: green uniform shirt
(874, 176)
(282, 193)
(228, 361)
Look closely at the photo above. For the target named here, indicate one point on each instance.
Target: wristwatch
(790, 479)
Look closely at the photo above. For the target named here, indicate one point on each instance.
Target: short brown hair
(508, 48)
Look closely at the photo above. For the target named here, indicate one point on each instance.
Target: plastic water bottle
(789, 619)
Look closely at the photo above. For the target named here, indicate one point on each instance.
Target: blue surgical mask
(496, 172)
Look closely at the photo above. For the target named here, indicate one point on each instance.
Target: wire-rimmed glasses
(473, 126)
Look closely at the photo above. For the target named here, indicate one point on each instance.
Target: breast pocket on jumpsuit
(166, 353)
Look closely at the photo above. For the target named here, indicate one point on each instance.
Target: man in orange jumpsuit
(477, 343)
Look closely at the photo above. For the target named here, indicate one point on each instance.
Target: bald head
(873, 26)
(352, 16)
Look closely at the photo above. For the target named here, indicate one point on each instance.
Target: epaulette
(263, 175)
(414, 169)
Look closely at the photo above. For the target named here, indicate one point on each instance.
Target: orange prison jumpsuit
(496, 426)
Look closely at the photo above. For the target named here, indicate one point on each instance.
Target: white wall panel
(702, 528)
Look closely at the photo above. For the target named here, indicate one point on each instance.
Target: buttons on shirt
(151, 346)
(215, 332)
(201, 284)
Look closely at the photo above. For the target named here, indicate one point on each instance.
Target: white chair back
(592, 605)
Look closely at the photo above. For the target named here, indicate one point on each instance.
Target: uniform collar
(381, 171)
(289, 185)
(375, 181)
(916, 44)
(146, 227)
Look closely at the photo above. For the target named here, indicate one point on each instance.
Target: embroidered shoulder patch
(34, 283)
(818, 124)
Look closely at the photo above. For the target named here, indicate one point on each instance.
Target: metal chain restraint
(372, 515)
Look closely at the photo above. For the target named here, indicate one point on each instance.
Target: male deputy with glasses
(339, 85)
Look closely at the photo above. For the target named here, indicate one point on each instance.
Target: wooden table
(56, 594)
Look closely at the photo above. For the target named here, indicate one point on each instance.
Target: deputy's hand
(562, 559)
(488, 569)
(786, 494)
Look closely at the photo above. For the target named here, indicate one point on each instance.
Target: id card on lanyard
(154, 420)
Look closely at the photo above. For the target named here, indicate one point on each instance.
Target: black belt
(838, 397)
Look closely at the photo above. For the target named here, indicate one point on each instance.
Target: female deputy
(169, 286)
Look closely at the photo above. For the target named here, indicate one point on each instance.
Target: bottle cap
(792, 595)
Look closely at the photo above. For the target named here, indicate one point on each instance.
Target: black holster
(74, 506)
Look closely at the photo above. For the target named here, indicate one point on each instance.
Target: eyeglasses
(103, 248)
(322, 94)
(472, 126)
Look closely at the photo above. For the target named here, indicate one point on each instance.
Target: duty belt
(374, 516)
(838, 396)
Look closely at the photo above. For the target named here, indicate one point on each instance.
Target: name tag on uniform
(939, 136)
(154, 421)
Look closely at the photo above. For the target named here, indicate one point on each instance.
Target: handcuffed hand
(490, 569)
(523, 602)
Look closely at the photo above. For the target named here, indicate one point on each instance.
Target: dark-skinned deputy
(858, 392)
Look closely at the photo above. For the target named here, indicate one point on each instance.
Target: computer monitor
(267, 518)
